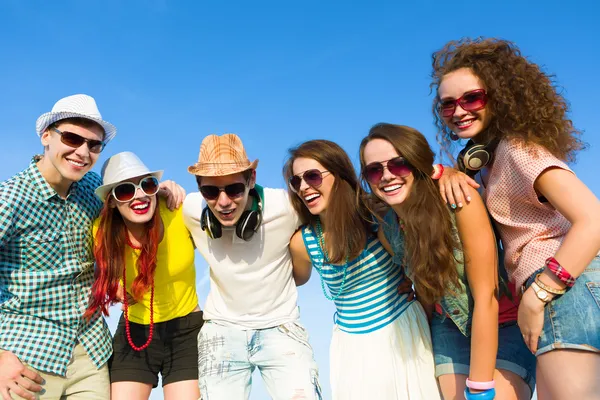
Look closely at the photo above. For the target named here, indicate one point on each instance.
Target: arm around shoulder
(302, 265)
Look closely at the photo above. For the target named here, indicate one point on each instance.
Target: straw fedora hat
(75, 106)
(222, 155)
(119, 168)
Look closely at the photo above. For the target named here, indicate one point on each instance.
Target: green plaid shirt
(47, 270)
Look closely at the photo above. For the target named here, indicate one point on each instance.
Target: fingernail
(460, 205)
(453, 206)
(468, 198)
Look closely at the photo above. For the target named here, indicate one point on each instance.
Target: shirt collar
(44, 189)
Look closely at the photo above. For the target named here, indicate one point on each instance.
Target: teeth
(76, 163)
(226, 212)
(311, 196)
(464, 123)
(141, 206)
(391, 188)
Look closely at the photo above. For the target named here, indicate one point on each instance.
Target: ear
(45, 138)
(252, 181)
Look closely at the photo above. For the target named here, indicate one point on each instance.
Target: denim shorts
(452, 350)
(572, 321)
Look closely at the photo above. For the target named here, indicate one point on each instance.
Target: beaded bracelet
(438, 170)
(561, 273)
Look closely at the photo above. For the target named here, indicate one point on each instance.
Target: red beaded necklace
(126, 305)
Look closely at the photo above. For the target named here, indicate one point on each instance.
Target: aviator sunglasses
(470, 101)
(312, 177)
(74, 140)
(397, 166)
(233, 191)
(125, 191)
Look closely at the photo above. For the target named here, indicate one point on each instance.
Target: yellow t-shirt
(175, 275)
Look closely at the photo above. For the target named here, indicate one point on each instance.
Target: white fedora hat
(75, 106)
(119, 168)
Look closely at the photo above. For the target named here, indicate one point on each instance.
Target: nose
(83, 151)
(223, 200)
(139, 193)
(387, 175)
(459, 112)
(303, 185)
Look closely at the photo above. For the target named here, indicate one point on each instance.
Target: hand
(405, 287)
(531, 318)
(454, 185)
(17, 378)
(174, 194)
(120, 297)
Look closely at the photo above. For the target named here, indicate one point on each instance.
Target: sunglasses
(233, 191)
(397, 166)
(74, 140)
(470, 101)
(126, 191)
(312, 177)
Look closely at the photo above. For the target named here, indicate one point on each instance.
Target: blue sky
(168, 73)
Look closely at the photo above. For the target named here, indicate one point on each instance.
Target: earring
(453, 136)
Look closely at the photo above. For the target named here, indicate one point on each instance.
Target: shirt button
(455, 312)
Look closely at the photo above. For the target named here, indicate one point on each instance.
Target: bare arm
(578, 204)
(480, 253)
(454, 187)
(302, 266)
(567, 194)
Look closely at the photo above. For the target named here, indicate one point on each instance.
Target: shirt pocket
(44, 250)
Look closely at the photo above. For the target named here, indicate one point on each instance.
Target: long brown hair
(347, 222)
(109, 251)
(429, 241)
(523, 100)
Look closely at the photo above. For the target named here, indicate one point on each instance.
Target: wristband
(489, 394)
(481, 385)
(438, 170)
(561, 273)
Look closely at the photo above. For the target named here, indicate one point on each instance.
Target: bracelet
(489, 394)
(558, 270)
(481, 385)
(547, 288)
(438, 170)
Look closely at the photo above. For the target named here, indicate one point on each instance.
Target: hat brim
(47, 119)
(201, 169)
(103, 191)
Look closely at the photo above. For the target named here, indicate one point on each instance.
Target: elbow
(301, 280)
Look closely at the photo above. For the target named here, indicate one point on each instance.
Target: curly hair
(428, 225)
(524, 101)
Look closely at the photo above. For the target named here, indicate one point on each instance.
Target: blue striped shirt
(369, 299)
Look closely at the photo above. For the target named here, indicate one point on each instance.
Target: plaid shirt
(47, 270)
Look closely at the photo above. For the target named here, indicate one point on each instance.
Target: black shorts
(173, 351)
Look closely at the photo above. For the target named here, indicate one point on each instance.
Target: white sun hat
(119, 168)
(75, 106)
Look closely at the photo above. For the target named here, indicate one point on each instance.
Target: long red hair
(109, 251)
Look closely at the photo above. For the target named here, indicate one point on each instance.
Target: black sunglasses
(312, 177)
(74, 140)
(233, 191)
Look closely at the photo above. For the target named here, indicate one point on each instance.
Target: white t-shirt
(251, 283)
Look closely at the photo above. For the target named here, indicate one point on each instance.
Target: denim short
(572, 321)
(452, 350)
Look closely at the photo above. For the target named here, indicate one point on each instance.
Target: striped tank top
(369, 299)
